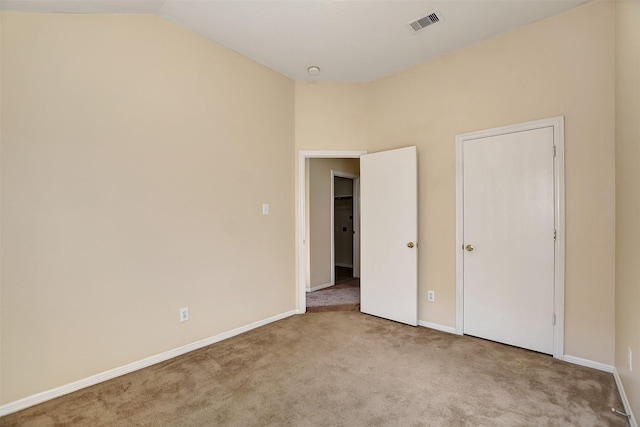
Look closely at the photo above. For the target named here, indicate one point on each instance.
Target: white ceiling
(350, 40)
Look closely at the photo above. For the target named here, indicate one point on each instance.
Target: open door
(388, 235)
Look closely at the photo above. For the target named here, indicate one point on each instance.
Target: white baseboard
(342, 264)
(437, 327)
(588, 363)
(317, 288)
(44, 396)
(611, 369)
(627, 406)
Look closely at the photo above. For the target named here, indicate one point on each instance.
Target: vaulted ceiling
(349, 40)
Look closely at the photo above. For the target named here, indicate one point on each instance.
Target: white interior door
(388, 235)
(509, 238)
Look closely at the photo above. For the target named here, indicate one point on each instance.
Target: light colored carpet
(340, 296)
(344, 296)
(343, 369)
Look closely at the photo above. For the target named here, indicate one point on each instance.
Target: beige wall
(136, 157)
(331, 116)
(628, 197)
(319, 215)
(559, 66)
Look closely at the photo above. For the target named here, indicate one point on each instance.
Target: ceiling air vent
(432, 17)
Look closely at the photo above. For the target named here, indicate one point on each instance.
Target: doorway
(510, 235)
(304, 237)
(390, 285)
(332, 234)
(345, 226)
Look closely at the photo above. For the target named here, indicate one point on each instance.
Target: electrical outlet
(265, 209)
(630, 360)
(184, 314)
(431, 296)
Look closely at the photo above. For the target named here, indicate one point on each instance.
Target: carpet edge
(588, 363)
(438, 327)
(44, 396)
(625, 400)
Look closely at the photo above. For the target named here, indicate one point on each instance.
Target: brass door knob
(468, 248)
(410, 245)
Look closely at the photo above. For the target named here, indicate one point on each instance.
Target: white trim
(557, 123)
(303, 155)
(558, 171)
(44, 396)
(588, 363)
(437, 327)
(343, 264)
(332, 237)
(611, 369)
(459, 239)
(356, 227)
(625, 401)
(317, 288)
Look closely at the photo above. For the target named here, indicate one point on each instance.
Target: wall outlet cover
(184, 314)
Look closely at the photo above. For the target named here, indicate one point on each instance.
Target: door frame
(557, 123)
(356, 223)
(303, 155)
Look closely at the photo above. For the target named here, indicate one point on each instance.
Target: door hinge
(555, 234)
(554, 151)
(553, 319)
